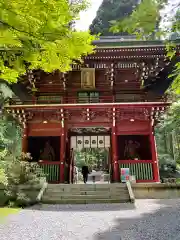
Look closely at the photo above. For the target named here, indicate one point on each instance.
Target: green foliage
(176, 75)
(4, 212)
(21, 171)
(10, 131)
(108, 11)
(168, 136)
(10, 143)
(10, 136)
(15, 168)
(5, 92)
(172, 118)
(90, 157)
(3, 177)
(37, 35)
(143, 23)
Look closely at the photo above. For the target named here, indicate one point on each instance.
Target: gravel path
(146, 220)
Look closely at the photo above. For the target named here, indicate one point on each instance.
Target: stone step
(70, 196)
(54, 194)
(83, 201)
(86, 186)
(84, 192)
(85, 189)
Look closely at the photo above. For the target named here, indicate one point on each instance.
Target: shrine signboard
(88, 78)
(125, 174)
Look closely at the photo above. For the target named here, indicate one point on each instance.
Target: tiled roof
(127, 41)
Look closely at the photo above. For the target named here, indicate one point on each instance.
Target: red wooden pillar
(115, 164)
(154, 156)
(25, 139)
(62, 148)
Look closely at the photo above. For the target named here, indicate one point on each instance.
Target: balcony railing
(141, 169)
(102, 99)
(75, 100)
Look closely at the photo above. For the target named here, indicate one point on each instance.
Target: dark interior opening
(37, 146)
(132, 147)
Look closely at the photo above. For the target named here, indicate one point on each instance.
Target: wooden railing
(141, 169)
(100, 99)
(75, 100)
(51, 170)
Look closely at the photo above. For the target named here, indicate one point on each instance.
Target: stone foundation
(156, 190)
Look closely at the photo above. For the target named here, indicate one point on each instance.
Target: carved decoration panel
(87, 115)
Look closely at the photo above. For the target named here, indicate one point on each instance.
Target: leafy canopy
(168, 135)
(38, 35)
(144, 21)
(108, 11)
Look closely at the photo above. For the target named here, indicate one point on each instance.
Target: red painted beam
(134, 161)
(145, 181)
(91, 106)
(144, 133)
(90, 123)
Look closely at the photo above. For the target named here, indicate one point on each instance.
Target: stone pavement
(147, 219)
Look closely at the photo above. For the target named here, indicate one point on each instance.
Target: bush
(20, 171)
(3, 177)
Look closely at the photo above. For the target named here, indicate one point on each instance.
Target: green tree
(111, 10)
(90, 157)
(38, 35)
(10, 135)
(168, 136)
(10, 131)
(143, 23)
(143, 20)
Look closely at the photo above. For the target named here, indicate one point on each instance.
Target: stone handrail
(41, 192)
(130, 191)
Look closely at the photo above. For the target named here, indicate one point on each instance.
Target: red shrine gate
(120, 87)
(126, 122)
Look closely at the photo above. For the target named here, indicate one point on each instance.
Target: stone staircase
(85, 193)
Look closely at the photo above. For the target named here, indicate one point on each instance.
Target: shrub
(3, 177)
(20, 171)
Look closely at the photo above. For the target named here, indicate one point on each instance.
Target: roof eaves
(130, 44)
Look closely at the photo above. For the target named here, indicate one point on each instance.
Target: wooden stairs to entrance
(86, 193)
